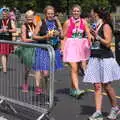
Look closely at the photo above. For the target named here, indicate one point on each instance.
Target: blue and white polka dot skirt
(42, 60)
(102, 70)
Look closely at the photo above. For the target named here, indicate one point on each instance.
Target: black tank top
(98, 49)
(7, 35)
(28, 29)
(44, 30)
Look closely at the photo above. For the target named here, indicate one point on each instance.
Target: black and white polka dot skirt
(102, 70)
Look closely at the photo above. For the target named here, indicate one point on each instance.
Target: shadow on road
(89, 110)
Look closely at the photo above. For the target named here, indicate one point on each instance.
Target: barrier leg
(7, 106)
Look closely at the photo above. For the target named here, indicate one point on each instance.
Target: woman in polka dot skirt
(102, 67)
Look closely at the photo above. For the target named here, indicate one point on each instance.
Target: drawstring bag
(26, 54)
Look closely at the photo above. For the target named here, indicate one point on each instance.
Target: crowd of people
(77, 42)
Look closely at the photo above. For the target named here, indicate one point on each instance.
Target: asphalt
(70, 108)
(65, 107)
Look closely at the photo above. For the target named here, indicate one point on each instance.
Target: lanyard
(31, 28)
(98, 27)
(5, 22)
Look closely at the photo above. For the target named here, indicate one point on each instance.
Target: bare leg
(98, 96)
(1, 61)
(38, 77)
(111, 94)
(84, 65)
(25, 86)
(74, 75)
(46, 73)
(26, 74)
(45, 81)
(4, 59)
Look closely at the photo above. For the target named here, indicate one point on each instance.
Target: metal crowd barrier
(27, 106)
(116, 22)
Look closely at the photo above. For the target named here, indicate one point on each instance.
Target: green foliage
(60, 5)
(87, 5)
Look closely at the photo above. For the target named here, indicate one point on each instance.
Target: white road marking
(90, 90)
(2, 118)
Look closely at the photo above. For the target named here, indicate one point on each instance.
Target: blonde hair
(48, 7)
(76, 6)
(29, 13)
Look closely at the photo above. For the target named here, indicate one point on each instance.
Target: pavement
(70, 108)
(65, 107)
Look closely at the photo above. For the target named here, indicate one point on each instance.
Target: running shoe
(96, 116)
(38, 90)
(75, 93)
(25, 87)
(114, 113)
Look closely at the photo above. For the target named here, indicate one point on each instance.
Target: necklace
(31, 30)
(99, 24)
(31, 27)
(5, 23)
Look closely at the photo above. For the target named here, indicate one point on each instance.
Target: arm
(87, 30)
(59, 28)
(23, 35)
(13, 29)
(107, 36)
(65, 29)
(1, 30)
(35, 34)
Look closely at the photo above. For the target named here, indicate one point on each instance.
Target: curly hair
(48, 7)
(104, 14)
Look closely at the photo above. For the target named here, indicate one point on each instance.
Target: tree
(60, 5)
(87, 5)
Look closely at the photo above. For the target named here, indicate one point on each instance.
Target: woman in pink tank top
(76, 47)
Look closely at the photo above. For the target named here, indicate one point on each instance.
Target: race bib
(30, 34)
(77, 33)
(95, 45)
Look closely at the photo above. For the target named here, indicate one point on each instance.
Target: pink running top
(72, 28)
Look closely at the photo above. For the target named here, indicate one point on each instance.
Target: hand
(95, 35)
(56, 33)
(92, 38)
(1, 30)
(56, 18)
(48, 36)
(92, 31)
(62, 46)
(50, 33)
(5, 30)
(98, 37)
